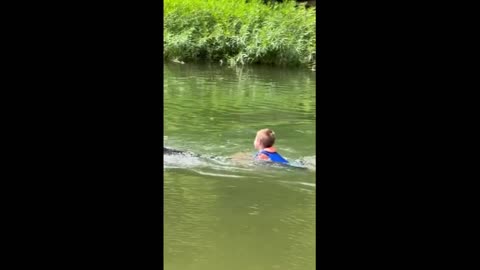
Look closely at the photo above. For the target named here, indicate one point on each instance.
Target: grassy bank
(239, 33)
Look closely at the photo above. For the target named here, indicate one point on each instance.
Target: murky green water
(221, 214)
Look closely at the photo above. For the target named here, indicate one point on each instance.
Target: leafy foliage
(239, 32)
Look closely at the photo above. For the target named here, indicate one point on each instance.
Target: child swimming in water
(264, 143)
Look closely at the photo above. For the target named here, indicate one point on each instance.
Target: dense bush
(239, 32)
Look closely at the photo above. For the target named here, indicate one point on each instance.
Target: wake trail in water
(218, 174)
(225, 167)
(308, 162)
(205, 165)
(215, 165)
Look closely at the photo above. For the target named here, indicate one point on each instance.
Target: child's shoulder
(262, 156)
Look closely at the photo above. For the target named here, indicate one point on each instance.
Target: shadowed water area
(223, 214)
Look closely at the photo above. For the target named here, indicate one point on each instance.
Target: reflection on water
(223, 215)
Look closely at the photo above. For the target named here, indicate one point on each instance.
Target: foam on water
(225, 164)
(308, 162)
(182, 161)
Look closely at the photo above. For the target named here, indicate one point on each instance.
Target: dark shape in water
(168, 151)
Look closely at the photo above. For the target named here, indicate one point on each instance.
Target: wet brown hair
(266, 137)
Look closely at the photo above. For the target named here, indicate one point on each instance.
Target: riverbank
(239, 33)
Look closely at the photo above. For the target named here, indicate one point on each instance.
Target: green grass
(239, 33)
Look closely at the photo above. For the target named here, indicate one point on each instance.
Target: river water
(222, 211)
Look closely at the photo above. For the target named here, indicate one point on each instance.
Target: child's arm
(262, 156)
(242, 157)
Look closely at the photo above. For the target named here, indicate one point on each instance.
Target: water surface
(221, 214)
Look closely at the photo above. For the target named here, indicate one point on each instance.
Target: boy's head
(265, 138)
